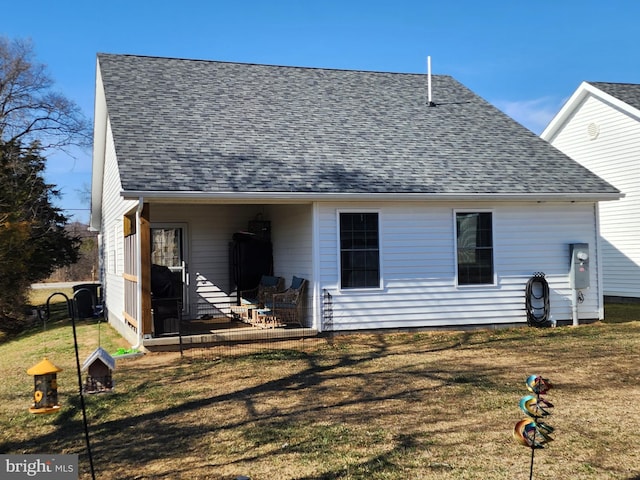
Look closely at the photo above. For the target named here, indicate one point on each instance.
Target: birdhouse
(45, 391)
(99, 367)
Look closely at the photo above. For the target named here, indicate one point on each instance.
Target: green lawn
(621, 312)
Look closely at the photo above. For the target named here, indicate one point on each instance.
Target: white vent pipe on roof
(429, 101)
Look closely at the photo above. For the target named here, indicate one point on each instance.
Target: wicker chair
(287, 306)
(261, 295)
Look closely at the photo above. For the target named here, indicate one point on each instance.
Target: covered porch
(192, 244)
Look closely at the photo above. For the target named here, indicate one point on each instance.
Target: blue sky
(525, 57)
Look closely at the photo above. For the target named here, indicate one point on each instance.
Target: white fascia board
(574, 102)
(566, 110)
(99, 145)
(293, 197)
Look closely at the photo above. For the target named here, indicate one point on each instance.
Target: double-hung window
(359, 250)
(474, 241)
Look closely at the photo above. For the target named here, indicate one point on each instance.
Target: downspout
(139, 270)
(599, 265)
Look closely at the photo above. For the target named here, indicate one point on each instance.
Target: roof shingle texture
(629, 93)
(204, 126)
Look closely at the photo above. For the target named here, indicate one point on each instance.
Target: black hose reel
(537, 301)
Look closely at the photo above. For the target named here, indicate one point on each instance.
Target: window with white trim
(474, 243)
(359, 250)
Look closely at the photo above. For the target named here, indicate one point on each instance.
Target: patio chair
(261, 295)
(287, 306)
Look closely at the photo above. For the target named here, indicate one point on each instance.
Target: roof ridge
(292, 67)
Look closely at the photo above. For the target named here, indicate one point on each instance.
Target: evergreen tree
(33, 239)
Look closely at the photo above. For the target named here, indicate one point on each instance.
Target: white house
(599, 127)
(400, 212)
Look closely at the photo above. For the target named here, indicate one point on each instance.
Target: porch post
(145, 270)
(316, 292)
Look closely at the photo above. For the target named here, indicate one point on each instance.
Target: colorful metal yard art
(532, 431)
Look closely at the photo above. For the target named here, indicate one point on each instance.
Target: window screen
(474, 233)
(359, 250)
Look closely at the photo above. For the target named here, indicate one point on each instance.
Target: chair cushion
(296, 282)
(269, 281)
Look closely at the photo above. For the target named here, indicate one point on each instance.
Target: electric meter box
(579, 270)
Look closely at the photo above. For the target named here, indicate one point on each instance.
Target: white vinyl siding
(419, 287)
(614, 155)
(113, 210)
(291, 228)
(417, 244)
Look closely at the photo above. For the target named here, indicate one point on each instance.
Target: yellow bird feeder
(45, 391)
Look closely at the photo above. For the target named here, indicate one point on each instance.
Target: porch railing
(130, 277)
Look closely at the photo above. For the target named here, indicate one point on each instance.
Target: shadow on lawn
(380, 463)
(128, 442)
(122, 445)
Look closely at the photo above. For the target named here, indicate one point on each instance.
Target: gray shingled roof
(204, 126)
(629, 93)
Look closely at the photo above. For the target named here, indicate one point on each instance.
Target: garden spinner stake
(533, 432)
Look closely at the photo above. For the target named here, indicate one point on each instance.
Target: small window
(359, 250)
(474, 234)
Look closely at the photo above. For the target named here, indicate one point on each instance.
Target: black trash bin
(87, 299)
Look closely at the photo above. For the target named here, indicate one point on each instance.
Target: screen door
(168, 250)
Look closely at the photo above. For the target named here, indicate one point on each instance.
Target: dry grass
(393, 406)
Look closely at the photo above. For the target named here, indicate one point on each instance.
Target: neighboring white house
(400, 213)
(599, 127)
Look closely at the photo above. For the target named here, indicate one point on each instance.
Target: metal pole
(531, 467)
(70, 307)
(84, 410)
(533, 440)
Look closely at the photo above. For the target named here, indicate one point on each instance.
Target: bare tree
(33, 119)
(29, 107)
